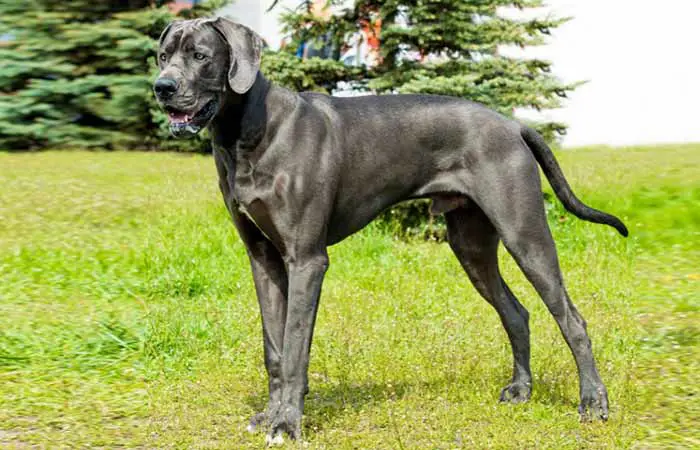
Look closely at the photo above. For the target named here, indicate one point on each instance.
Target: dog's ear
(166, 30)
(245, 47)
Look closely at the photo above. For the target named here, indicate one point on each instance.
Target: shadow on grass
(328, 402)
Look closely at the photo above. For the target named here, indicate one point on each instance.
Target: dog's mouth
(184, 123)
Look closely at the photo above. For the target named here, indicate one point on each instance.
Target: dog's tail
(545, 158)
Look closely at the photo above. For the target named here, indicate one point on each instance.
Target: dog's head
(202, 62)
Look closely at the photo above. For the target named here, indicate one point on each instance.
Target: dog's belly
(353, 216)
(359, 204)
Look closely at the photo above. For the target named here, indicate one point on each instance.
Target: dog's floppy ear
(245, 47)
(166, 30)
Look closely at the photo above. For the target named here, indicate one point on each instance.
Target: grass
(128, 317)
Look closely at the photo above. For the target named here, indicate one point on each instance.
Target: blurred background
(78, 74)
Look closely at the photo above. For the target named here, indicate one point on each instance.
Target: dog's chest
(261, 197)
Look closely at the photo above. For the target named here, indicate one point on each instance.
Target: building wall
(253, 13)
(247, 12)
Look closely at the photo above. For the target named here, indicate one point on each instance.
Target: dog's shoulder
(316, 98)
(321, 103)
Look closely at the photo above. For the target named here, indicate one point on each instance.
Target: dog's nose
(165, 87)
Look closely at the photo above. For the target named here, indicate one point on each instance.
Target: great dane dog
(300, 172)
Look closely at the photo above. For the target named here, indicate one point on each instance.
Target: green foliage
(314, 74)
(132, 322)
(79, 74)
(411, 220)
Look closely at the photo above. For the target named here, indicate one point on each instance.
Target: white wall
(639, 57)
(254, 14)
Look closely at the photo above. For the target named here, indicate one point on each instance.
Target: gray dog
(300, 172)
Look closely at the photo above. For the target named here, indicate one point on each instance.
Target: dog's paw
(516, 393)
(275, 441)
(257, 421)
(286, 420)
(594, 404)
(263, 419)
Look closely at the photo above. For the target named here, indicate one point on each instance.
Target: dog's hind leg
(474, 241)
(512, 200)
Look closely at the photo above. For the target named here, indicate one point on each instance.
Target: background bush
(78, 74)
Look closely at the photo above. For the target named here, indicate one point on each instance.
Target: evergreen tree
(449, 47)
(79, 73)
(314, 74)
(285, 68)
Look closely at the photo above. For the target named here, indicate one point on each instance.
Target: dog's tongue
(178, 117)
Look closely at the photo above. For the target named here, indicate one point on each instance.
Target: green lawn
(128, 317)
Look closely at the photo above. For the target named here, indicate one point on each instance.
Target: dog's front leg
(305, 280)
(270, 279)
(271, 283)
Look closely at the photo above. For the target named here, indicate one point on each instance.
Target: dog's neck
(241, 122)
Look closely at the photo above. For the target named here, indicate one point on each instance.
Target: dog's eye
(163, 57)
(199, 56)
